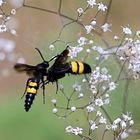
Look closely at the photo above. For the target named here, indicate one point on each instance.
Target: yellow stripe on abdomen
(31, 90)
(81, 67)
(74, 67)
(33, 84)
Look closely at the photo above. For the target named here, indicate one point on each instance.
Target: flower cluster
(101, 85)
(76, 131)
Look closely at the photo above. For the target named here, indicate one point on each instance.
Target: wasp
(36, 77)
(61, 67)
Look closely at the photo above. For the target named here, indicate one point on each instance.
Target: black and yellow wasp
(37, 74)
(43, 74)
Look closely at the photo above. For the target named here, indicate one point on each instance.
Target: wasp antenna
(40, 53)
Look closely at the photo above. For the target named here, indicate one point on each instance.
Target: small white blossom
(73, 108)
(88, 28)
(82, 41)
(112, 86)
(105, 27)
(69, 129)
(93, 23)
(13, 11)
(124, 135)
(90, 109)
(74, 51)
(54, 101)
(117, 121)
(123, 124)
(102, 120)
(81, 95)
(77, 130)
(77, 87)
(13, 32)
(98, 113)
(88, 51)
(114, 127)
(3, 28)
(51, 47)
(108, 127)
(131, 122)
(126, 30)
(55, 110)
(138, 33)
(80, 11)
(91, 3)
(90, 42)
(101, 7)
(99, 102)
(93, 126)
(116, 37)
(61, 87)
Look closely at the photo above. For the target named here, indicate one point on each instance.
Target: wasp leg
(56, 87)
(25, 88)
(43, 86)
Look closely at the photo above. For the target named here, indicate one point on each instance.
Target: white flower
(112, 86)
(80, 11)
(93, 126)
(88, 28)
(77, 130)
(114, 127)
(91, 3)
(98, 113)
(126, 117)
(116, 37)
(73, 108)
(51, 47)
(123, 124)
(131, 122)
(3, 28)
(127, 30)
(138, 33)
(105, 27)
(81, 95)
(124, 135)
(82, 41)
(54, 101)
(13, 11)
(77, 87)
(117, 121)
(55, 110)
(74, 51)
(90, 109)
(93, 22)
(88, 51)
(99, 102)
(101, 7)
(69, 129)
(102, 120)
(13, 32)
(61, 87)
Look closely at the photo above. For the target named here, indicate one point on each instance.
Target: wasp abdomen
(78, 67)
(31, 92)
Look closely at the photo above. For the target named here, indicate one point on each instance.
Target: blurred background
(36, 28)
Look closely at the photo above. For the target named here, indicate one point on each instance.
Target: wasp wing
(30, 70)
(61, 59)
